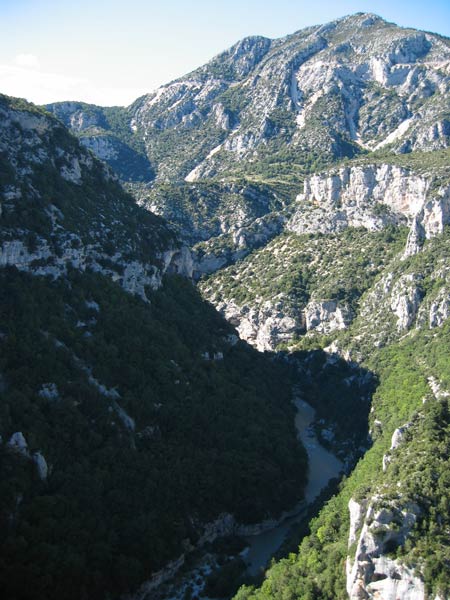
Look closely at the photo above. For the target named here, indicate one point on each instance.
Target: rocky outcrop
(223, 250)
(103, 146)
(17, 443)
(41, 465)
(133, 276)
(398, 436)
(406, 296)
(270, 323)
(49, 391)
(223, 526)
(96, 132)
(378, 526)
(265, 326)
(130, 165)
(396, 440)
(357, 83)
(326, 316)
(390, 306)
(178, 260)
(436, 388)
(206, 263)
(79, 116)
(436, 310)
(372, 196)
(102, 230)
(415, 239)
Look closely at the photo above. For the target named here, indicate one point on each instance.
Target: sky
(110, 52)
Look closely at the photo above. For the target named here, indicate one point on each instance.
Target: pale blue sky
(110, 51)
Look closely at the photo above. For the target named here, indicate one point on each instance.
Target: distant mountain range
(351, 86)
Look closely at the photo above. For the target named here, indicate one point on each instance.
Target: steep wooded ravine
(132, 419)
(305, 181)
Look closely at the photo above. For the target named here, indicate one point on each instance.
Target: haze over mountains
(304, 182)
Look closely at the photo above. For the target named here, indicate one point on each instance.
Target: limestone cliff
(45, 232)
(352, 85)
(371, 196)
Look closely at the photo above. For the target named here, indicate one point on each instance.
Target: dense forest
(152, 420)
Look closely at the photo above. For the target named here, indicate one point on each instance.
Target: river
(323, 466)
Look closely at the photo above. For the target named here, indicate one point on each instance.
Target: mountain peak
(352, 85)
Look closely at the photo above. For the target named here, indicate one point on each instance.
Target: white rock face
(103, 146)
(264, 327)
(415, 239)
(208, 263)
(405, 300)
(326, 316)
(245, 237)
(93, 305)
(72, 172)
(356, 78)
(135, 277)
(62, 243)
(41, 465)
(398, 436)
(436, 309)
(268, 324)
(371, 197)
(370, 573)
(397, 302)
(224, 525)
(436, 388)
(386, 462)
(49, 391)
(178, 260)
(357, 513)
(222, 120)
(18, 443)
(15, 253)
(396, 581)
(128, 422)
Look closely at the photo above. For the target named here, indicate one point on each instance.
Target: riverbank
(322, 467)
(262, 540)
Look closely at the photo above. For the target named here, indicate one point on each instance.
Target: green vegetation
(421, 471)
(200, 211)
(92, 206)
(422, 163)
(20, 104)
(110, 126)
(234, 101)
(295, 268)
(426, 272)
(337, 389)
(159, 422)
(211, 436)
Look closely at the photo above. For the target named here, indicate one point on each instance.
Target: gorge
(241, 274)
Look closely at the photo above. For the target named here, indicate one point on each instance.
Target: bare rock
(41, 465)
(18, 443)
(370, 573)
(326, 316)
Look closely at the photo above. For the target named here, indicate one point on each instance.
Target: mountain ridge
(188, 97)
(309, 175)
(122, 393)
